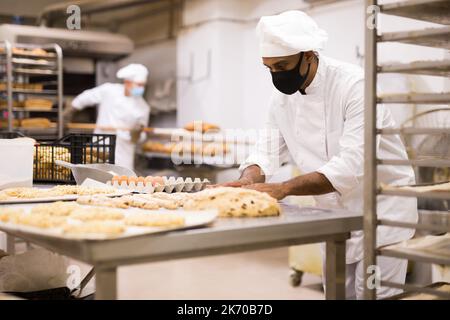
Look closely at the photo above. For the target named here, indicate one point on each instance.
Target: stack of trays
(169, 185)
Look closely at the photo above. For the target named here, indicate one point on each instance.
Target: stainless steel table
(295, 226)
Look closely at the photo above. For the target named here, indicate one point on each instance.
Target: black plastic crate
(73, 148)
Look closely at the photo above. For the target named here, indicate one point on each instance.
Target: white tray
(192, 219)
(70, 197)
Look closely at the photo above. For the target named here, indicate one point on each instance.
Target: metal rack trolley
(49, 64)
(436, 11)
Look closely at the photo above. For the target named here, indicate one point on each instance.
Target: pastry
(96, 213)
(35, 123)
(161, 203)
(38, 220)
(154, 220)
(80, 190)
(104, 201)
(234, 202)
(201, 126)
(95, 228)
(25, 192)
(58, 209)
(6, 214)
(178, 197)
(142, 203)
(38, 104)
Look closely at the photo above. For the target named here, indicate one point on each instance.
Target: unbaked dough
(96, 214)
(58, 208)
(104, 201)
(94, 227)
(154, 220)
(234, 202)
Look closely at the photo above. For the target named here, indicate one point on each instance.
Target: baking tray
(70, 197)
(193, 219)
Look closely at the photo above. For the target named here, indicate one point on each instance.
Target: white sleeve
(270, 151)
(345, 171)
(88, 98)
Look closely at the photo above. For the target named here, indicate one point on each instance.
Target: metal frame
(10, 69)
(296, 225)
(437, 37)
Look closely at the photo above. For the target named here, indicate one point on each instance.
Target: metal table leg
(335, 270)
(10, 244)
(105, 283)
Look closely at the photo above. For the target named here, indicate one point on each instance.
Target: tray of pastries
(72, 220)
(61, 192)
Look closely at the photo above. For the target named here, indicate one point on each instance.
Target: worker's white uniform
(115, 109)
(324, 131)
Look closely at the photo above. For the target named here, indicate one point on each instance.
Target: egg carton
(171, 184)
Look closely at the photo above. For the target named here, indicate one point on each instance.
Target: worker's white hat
(134, 72)
(289, 33)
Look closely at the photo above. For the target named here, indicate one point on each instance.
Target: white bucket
(16, 162)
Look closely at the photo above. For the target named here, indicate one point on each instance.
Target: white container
(16, 162)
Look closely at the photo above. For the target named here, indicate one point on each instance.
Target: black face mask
(289, 81)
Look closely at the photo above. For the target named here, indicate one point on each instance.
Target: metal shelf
(433, 162)
(40, 92)
(432, 37)
(422, 98)
(411, 288)
(426, 254)
(436, 11)
(33, 62)
(432, 68)
(411, 131)
(35, 71)
(30, 110)
(443, 227)
(442, 195)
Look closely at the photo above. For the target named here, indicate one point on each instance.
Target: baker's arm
(86, 98)
(250, 175)
(344, 171)
(313, 183)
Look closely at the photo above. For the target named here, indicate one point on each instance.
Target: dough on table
(37, 220)
(154, 220)
(104, 201)
(106, 228)
(25, 192)
(151, 201)
(178, 197)
(59, 208)
(6, 214)
(234, 202)
(80, 190)
(96, 213)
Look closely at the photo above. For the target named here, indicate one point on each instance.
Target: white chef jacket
(323, 131)
(115, 109)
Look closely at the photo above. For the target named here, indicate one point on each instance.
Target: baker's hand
(275, 190)
(234, 184)
(136, 134)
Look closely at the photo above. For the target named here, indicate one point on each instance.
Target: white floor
(254, 275)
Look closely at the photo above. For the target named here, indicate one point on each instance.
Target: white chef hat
(134, 72)
(289, 33)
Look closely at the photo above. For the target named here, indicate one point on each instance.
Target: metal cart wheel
(295, 277)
